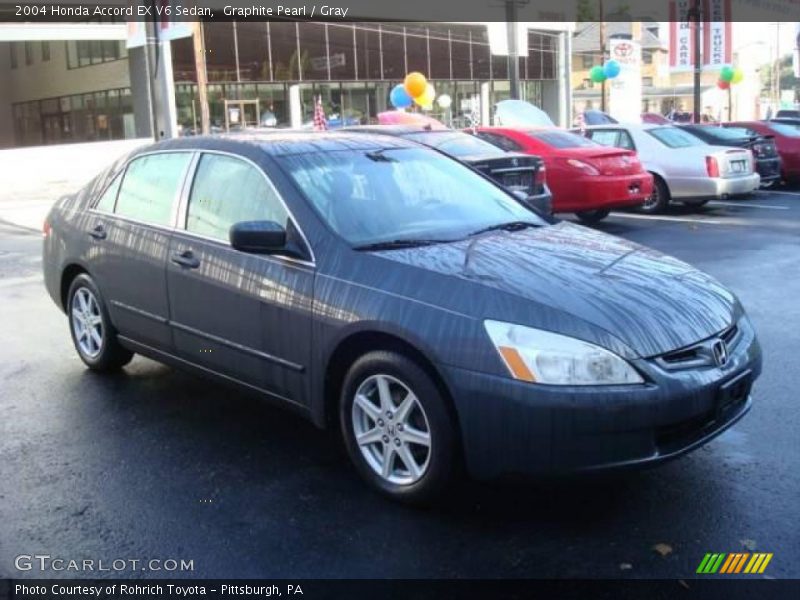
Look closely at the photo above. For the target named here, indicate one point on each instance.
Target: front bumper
(512, 428)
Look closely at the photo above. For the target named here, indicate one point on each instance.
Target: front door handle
(99, 232)
(186, 259)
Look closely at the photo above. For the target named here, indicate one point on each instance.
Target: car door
(129, 231)
(245, 316)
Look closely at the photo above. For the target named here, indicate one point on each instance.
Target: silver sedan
(685, 168)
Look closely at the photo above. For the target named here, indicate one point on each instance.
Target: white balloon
(444, 101)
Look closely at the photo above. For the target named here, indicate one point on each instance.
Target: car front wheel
(397, 428)
(93, 335)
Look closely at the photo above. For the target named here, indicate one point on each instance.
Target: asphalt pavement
(156, 464)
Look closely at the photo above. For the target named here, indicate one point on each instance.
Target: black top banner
(21, 11)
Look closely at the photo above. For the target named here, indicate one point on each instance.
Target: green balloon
(597, 74)
(727, 73)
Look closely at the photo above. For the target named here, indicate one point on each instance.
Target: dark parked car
(787, 140)
(765, 152)
(522, 173)
(378, 286)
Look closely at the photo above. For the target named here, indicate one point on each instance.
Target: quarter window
(109, 197)
(151, 185)
(228, 190)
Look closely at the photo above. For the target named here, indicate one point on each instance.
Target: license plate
(733, 392)
(738, 166)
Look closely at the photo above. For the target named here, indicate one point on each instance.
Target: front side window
(369, 197)
(227, 190)
(673, 137)
(151, 185)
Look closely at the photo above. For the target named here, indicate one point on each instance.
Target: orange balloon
(415, 84)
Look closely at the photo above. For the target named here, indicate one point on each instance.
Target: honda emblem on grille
(720, 351)
(514, 162)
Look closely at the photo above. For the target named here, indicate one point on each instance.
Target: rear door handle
(99, 232)
(186, 259)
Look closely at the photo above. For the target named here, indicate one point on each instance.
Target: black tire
(110, 356)
(590, 217)
(658, 201)
(442, 455)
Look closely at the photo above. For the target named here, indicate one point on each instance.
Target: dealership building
(80, 82)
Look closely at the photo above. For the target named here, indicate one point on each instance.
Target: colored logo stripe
(758, 563)
(734, 563)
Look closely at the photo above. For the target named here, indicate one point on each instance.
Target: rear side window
(151, 185)
(227, 190)
(109, 197)
(604, 137)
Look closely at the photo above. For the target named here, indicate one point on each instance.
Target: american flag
(320, 122)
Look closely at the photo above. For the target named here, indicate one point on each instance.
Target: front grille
(700, 354)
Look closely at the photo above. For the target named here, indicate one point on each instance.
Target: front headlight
(543, 357)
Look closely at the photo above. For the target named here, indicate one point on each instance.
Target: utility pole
(202, 78)
(513, 51)
(694, 16)
(602, 53)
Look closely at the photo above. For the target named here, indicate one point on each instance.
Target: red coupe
(584, 177)
(787, 140)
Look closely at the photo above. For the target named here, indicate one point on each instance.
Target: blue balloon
(611, 69)
(399, 97)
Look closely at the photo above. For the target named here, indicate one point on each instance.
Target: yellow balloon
(426, 98)
(738, 75)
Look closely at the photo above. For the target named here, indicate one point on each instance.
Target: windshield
(672, 137)
(400, 194)
(457, 144)
(561, 139)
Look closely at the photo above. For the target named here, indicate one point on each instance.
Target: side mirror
(258, 237)
(520, 195)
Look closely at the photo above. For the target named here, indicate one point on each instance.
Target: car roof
(395, 130)
(283, 142)
(642, 126)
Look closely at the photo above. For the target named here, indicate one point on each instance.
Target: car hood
(651, 302)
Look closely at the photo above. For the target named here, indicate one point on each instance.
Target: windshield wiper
(379, 156)
(509, 226)
(403, 243)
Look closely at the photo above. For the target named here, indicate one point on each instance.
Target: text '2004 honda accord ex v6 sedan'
(378, 286)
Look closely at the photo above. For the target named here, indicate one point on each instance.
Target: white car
(685, 169)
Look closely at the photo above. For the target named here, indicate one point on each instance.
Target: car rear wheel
(593, 216)
(397, 428)
(658, 200)
(93, 335)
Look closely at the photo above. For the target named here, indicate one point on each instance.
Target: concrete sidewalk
(33, 178)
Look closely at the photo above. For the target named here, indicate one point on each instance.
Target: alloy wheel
(652, 200)
(87, 322)
(391, 429)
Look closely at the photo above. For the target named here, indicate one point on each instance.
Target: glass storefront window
(368, 51)
(285, 57)
(392, 42)
(253, 51)
(220, 53)
(314, 53)
(341, 52)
